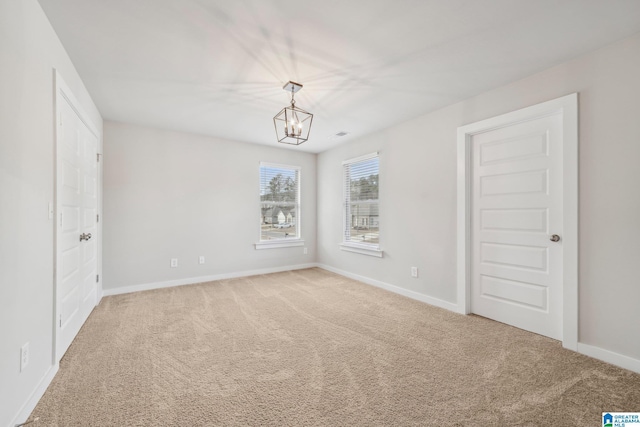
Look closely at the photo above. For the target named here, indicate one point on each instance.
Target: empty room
(356, 213)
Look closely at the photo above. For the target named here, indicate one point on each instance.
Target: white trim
(279, 166)
(62, 90)
(392, 288)
(361, 249)
(282, 243)
(607, 356)
(202, 279)
(463, 232)
(601, 354)
(298, 204)
(361, 158)
(74, 103)
(33, 399)
(568, 107)
(27, 408)
(617, 359)
(570, 166)
(349, 245)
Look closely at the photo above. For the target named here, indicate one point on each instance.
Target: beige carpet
(311, 348)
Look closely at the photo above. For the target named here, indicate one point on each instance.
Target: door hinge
(97, 278)
(60, 219)
(60, 321)
(98, 157)
(97, 217)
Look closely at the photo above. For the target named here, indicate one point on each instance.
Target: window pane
(363, 177)
(364, 223)
(278, 221)
(278, 184)
(361, 200)
(279, 207)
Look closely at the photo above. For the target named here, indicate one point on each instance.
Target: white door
(516, 208)
(77, 202)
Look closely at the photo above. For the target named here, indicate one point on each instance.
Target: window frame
(371, 249)
(281, 243)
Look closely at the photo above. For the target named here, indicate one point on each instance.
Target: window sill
(362, 249)
(275, 244)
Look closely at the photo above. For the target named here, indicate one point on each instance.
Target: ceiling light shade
(292, 123)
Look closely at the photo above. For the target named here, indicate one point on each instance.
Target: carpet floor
(312, 348)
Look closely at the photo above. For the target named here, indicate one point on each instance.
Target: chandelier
(292, 123)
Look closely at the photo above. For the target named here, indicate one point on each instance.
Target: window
(361, 213)
(279, 206)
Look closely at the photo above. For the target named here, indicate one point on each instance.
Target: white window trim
(283, 243)
(370, 249)
(362, 158)
(276, 244)
(364, 249)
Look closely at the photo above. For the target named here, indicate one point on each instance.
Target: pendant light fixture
(292, 123)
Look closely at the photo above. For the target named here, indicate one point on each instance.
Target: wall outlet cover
(24, 356)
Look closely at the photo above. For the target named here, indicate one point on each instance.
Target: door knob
(555, 238)
(84, 236)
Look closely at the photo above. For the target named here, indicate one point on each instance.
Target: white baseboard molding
(202, 279)
(100, 294)
(617, 359)
(395, 289)
(36, 395)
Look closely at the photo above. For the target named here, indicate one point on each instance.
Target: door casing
(61, 89)
(567, 107)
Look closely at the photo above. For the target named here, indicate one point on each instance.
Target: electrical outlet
(174, 262)
(24, 356)
(201, 259)
(304, 251)
(414, 271)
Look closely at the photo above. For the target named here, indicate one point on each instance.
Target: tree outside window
(279, 202)
(361, 211)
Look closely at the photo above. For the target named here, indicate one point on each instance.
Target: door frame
(567, 107)
(62, 90)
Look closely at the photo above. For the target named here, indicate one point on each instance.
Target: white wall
(177, 195)
(29, 50)
(418, 192)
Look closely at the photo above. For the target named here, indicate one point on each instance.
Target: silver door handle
(555, 238)
(84, 236)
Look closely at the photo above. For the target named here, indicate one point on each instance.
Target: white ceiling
(216, 67)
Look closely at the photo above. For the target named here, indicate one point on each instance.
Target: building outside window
(361, 214)
(279, 202)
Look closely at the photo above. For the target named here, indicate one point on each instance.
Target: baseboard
(28, 407)
(201, 279)
(617, 359)
(395, 289)
(100, 294)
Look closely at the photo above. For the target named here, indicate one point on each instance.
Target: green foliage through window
(279, 202)
(361, 216)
